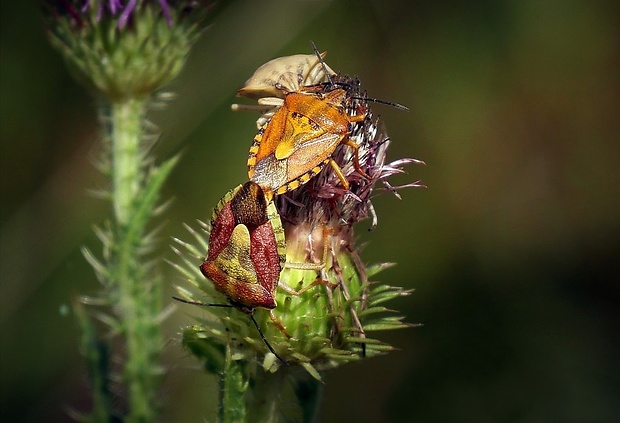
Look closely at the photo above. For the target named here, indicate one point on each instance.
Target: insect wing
(222, 224)
(312, 153)
(265, 257)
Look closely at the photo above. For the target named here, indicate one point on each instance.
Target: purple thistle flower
(114, 9)
(146, 47)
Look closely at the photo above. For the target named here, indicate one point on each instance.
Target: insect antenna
(332, 83)
(198, 303)
(316, 51)
(260, 332)
(377, 100)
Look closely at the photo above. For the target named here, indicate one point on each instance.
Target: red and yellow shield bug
(247, 252)
(247, 249)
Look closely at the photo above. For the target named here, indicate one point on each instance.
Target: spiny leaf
(100, 269)
(385, 324)
(312, 371)
(373, 269)
(191, 249)
(148, 199)
(372, 310)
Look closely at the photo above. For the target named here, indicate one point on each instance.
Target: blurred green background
(512, 250)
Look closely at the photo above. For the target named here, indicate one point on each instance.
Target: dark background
(512, 250)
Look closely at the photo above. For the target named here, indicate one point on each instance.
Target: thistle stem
(126, 133)
(137, 300)
(288, 395)
(233, 384)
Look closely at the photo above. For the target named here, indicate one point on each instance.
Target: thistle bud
(330, 319)
(124, 51)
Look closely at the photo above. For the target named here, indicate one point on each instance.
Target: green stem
(249, 394)
(288, 395)
(97, 356)
(137, 299)
(127, 118)
(233, 386)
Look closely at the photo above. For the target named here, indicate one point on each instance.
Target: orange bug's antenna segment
(377, 100)
(320, 57)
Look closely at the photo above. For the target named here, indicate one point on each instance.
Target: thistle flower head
(325, 199)
(124, 49)
(326, 301)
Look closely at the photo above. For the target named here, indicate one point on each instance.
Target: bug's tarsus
(260, 332)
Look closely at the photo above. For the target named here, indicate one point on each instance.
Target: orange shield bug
(299, 140)
(247, 252)
(301, 136)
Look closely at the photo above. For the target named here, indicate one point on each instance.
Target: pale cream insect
(272, 81)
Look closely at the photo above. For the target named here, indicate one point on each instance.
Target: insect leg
(339, 173)
(260, 332)
(356, 157)
(278, 324)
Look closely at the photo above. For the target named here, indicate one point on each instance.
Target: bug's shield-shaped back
(234, 274)
(246, 248)
(298, 140)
